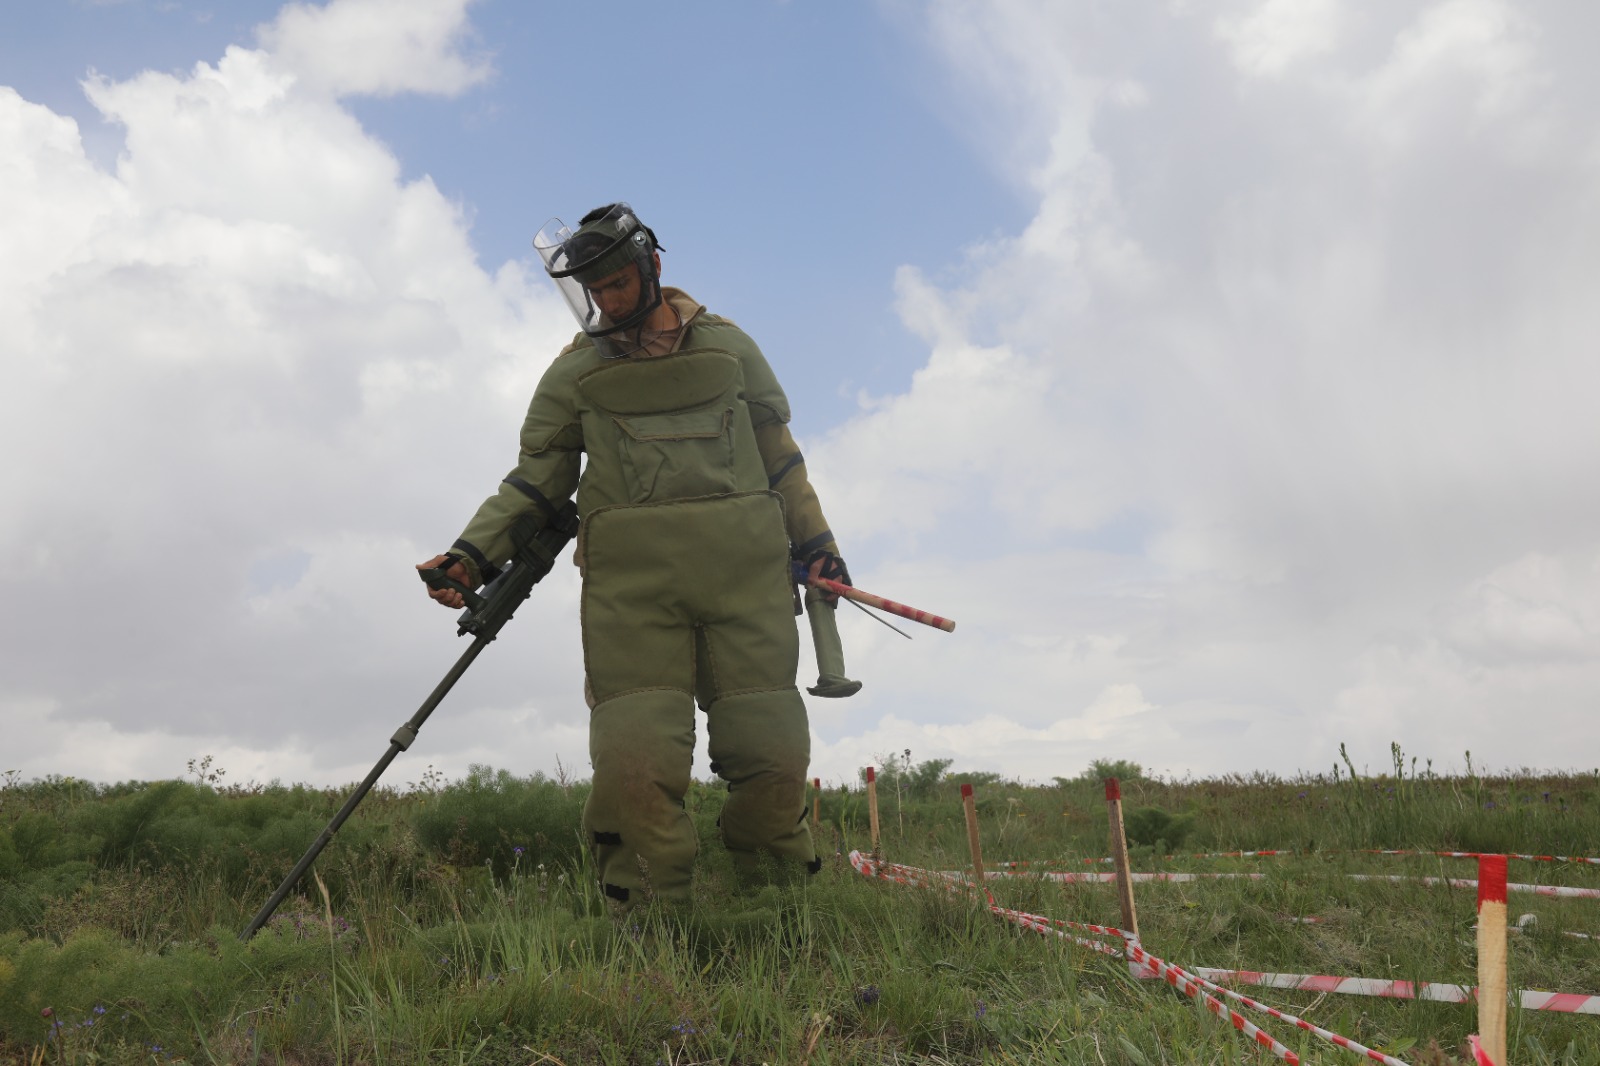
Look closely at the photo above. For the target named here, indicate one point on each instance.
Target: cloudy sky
(1226, 370)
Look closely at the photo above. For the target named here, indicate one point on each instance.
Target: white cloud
(375, 47)
(1270, 430)
(1279, 33)
(1305, 335)
(245, 377)
(1538, 609)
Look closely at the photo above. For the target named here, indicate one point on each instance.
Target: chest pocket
(675, 422)
(678, 455)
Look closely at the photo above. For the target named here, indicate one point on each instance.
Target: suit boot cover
(642, 747)
(761, 745)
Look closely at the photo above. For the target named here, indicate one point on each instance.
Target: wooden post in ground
(872, 819)
(1492, 956)
(969, 805)
(1119, 855)
(816, 803)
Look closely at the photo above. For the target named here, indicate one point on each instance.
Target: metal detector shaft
(536, 553)
(399, 742)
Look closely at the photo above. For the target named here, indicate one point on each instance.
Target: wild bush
(496, 818)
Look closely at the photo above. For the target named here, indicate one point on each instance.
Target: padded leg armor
(685, 597)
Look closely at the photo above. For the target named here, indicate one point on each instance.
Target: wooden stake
(1119, 853)
(971, 807)
(1492, 956)
(872, 819)
(816, 802)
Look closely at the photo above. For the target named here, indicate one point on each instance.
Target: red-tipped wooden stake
(872, 819)
(970, 805)
(1119, 853)
(816, 802)
(850, 592)
(1492, 956)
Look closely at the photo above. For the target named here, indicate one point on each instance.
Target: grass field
(457, 923)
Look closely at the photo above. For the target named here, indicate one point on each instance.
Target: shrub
(1157, 828)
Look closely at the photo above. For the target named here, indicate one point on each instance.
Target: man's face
(617, 294)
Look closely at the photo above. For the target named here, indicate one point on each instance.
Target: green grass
(460, 925)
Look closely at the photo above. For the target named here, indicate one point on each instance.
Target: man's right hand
(457, 572)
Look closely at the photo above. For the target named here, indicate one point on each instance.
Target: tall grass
(460, 924)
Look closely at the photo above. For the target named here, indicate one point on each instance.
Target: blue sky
(1224, 370)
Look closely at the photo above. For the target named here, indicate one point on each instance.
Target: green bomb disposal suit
(693, 495)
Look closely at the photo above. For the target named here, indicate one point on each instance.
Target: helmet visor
(605, 270)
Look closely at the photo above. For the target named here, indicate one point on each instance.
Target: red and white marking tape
(1069, 877)
(1562, 891)
(1177, 977)
(1561, 1002)
(1481, 854)
(1100, 878)
(1139, 955)
(1146, 966)
(1285, 852)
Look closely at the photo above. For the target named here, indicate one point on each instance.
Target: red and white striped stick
(1492, 956)
(850, 592)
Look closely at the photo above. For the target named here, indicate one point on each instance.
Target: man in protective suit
(694, 500)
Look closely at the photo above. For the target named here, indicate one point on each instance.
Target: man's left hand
(825, 564)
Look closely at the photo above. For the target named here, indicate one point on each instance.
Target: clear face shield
(605, 270)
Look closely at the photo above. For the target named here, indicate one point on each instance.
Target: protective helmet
(594, 260)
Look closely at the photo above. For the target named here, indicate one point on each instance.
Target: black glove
(833, 567)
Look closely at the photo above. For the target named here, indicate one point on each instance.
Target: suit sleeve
(785, 466)
(786, 474)
(545, 475)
